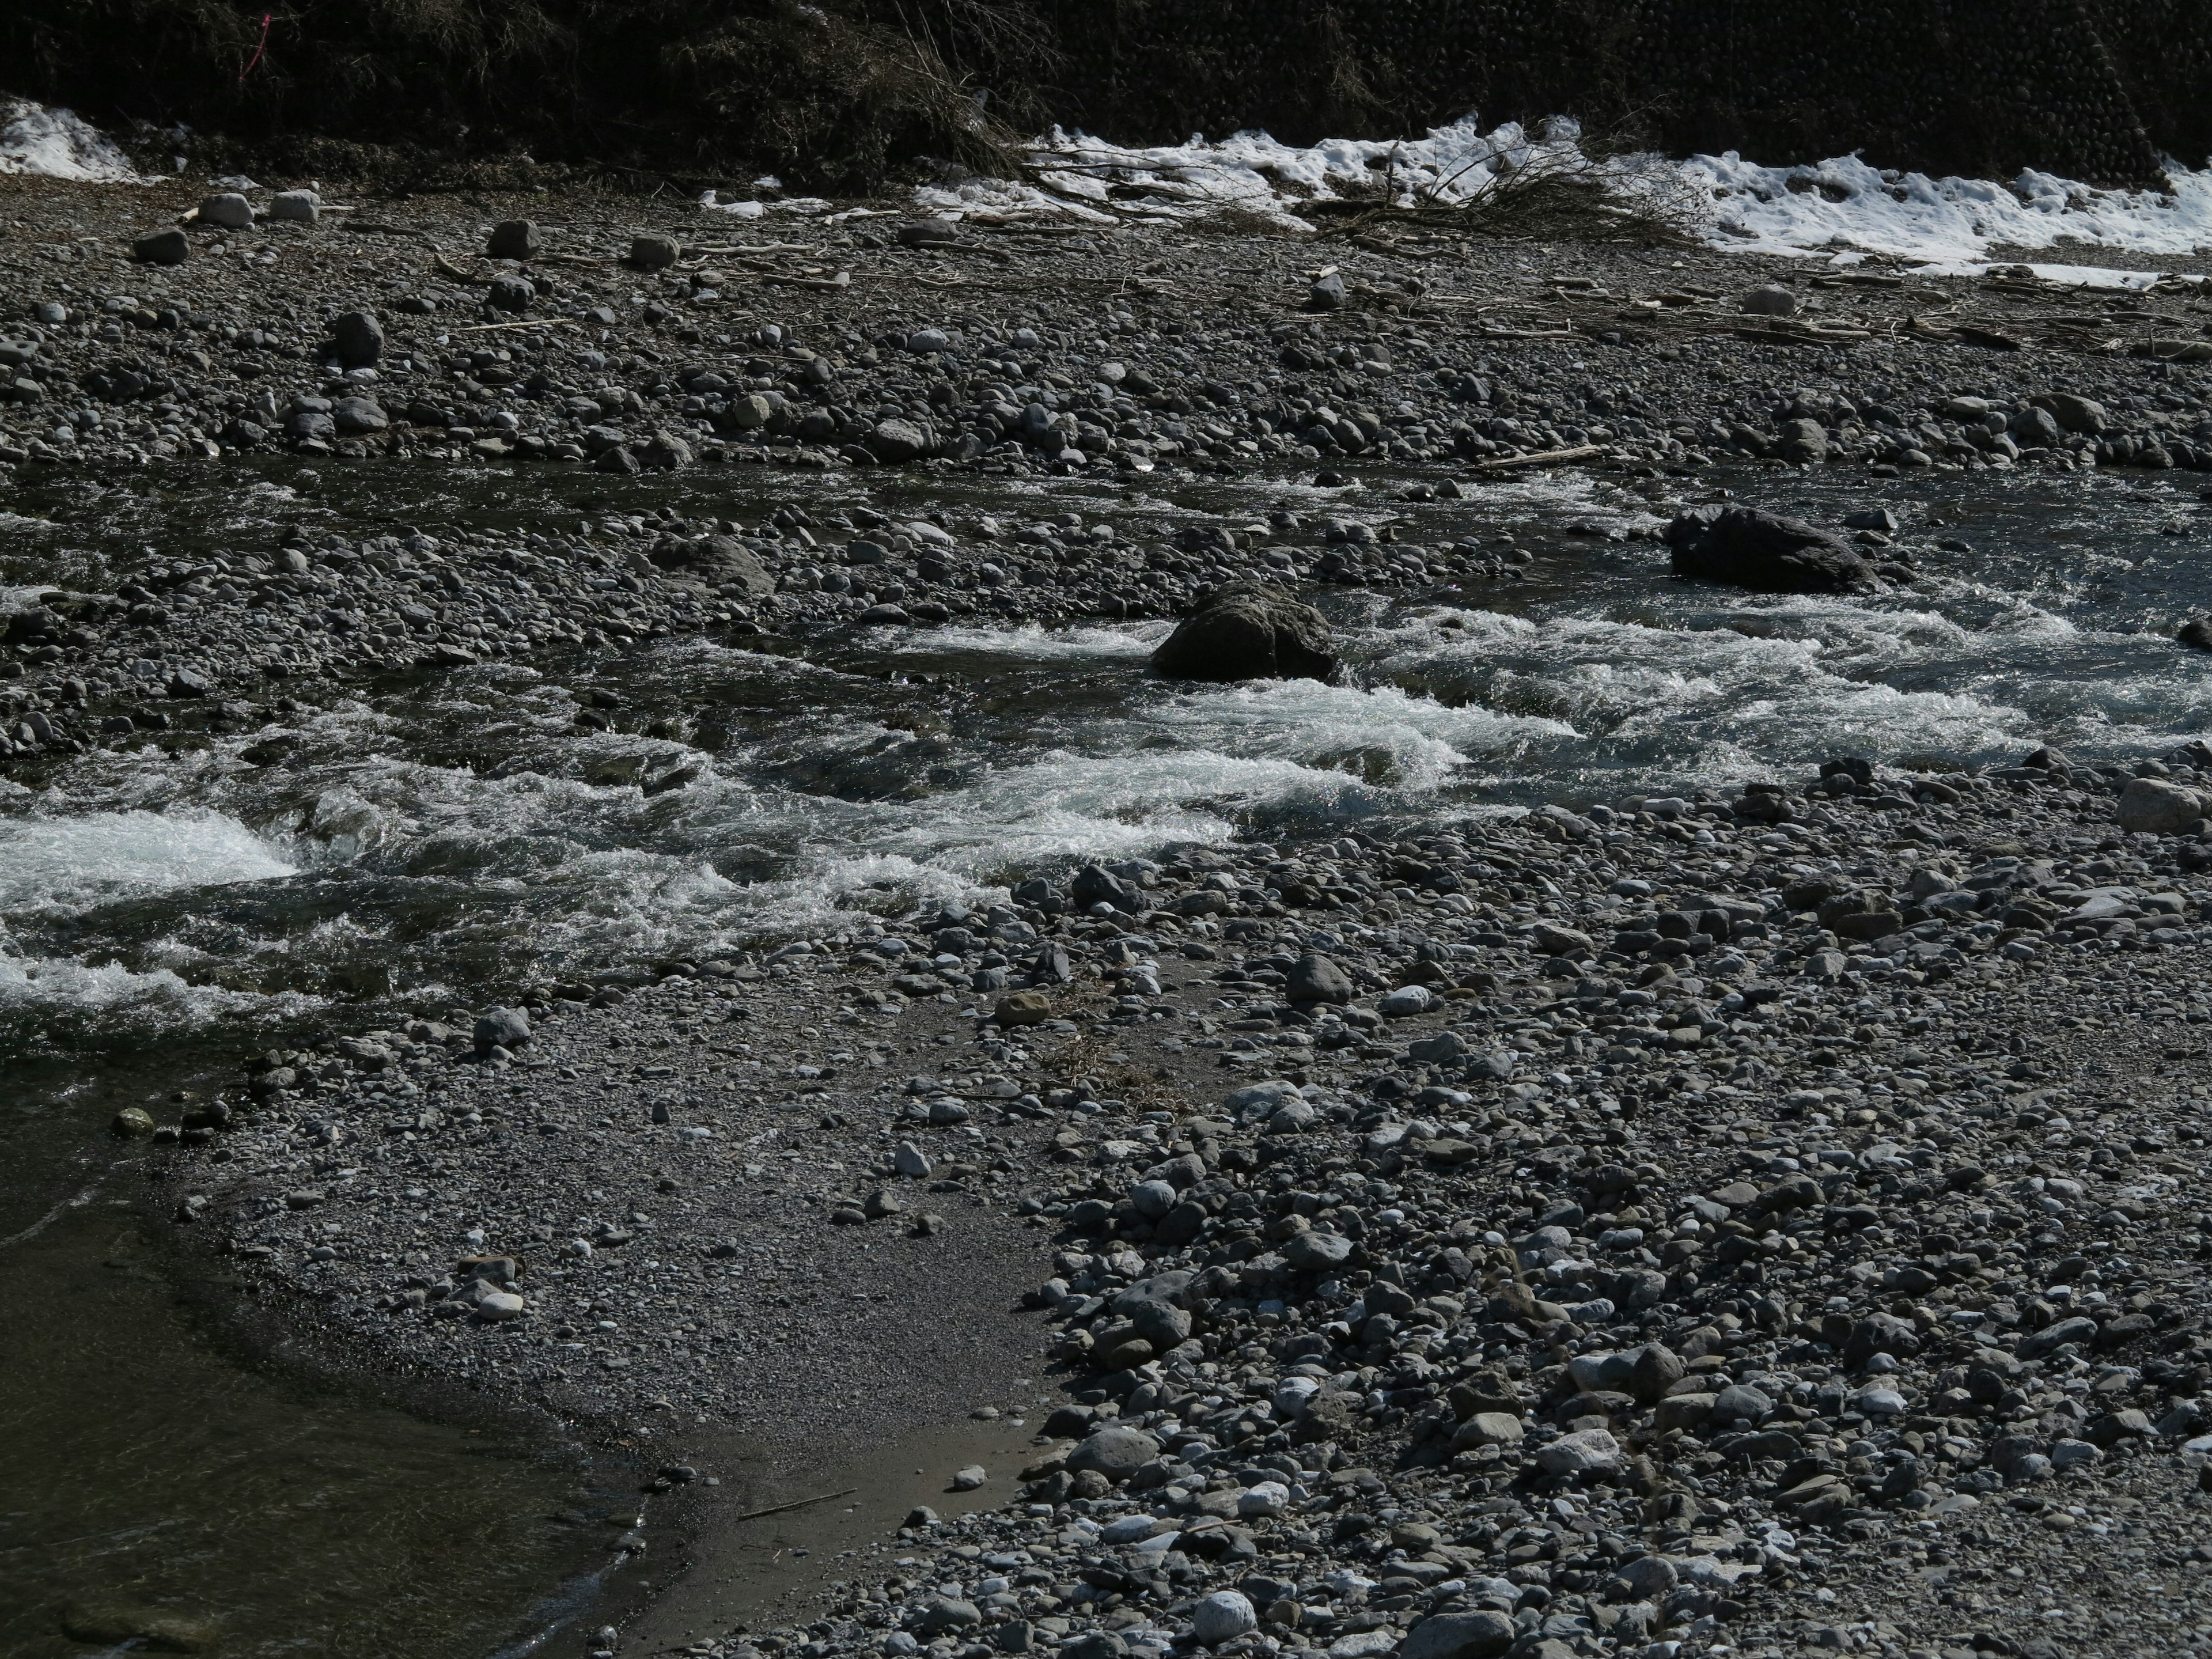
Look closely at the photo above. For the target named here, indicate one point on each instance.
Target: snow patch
(53, 144)
(1845, 208)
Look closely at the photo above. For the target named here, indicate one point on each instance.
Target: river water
(434, 840)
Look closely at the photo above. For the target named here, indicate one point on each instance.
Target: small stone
(513, 239)
(163, 247)
(1316, 978)
(910, 1160)
(1326, 292)
(1488, 1429)
(1153, 1199)
(949, 1613)
(502, 1027)
(355, 416)
(1478, 1635)
(227, 210)
(359, 337)
(301, 207)
(968, 1478)
(1115, 1453)
(1582, 1452)
(1740, 1400)
(499, 1306)
(1554, 940)
(1684, 1411)
(1317, 1252)
(1022, 1008)
(898, 440)
(131, 1123)
(2074, 1455)
(1263, 1499)
(1406, 1002)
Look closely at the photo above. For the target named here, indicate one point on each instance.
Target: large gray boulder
(718, 562)
(2154, 807)
(1248, 631)
(1115, 1453)
(1764, 552)
(1316, 978)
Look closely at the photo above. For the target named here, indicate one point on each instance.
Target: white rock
(497, 1305)
(1223, 1617)
(1580, 1452)
(1406, 1001)
(968, 1478)
(229, 209)
(1268, 1498)
(910, 1160)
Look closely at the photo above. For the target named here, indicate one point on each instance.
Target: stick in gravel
(1542, 457)
(797, 1503)
(528, 322)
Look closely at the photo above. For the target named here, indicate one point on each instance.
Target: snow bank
(54, 144)
(1081, 177)
(1841, 208)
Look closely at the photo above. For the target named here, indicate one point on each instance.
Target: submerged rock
(1744, 547)
(1248, 631)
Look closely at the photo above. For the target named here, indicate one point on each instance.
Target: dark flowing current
(433, 841)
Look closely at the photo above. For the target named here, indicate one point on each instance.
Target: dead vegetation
(837, 96)
(1604, 187)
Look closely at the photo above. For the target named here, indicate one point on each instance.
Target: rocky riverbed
(1746, 1214)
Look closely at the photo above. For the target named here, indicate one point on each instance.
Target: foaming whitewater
(1412, 744)
(1030, 643)
(62, 864)
(161, 998)
(1732, 692)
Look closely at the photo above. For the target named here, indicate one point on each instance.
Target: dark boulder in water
(1248, 631)
(1744, 547)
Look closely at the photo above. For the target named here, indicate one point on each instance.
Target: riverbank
(1344, 1168)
